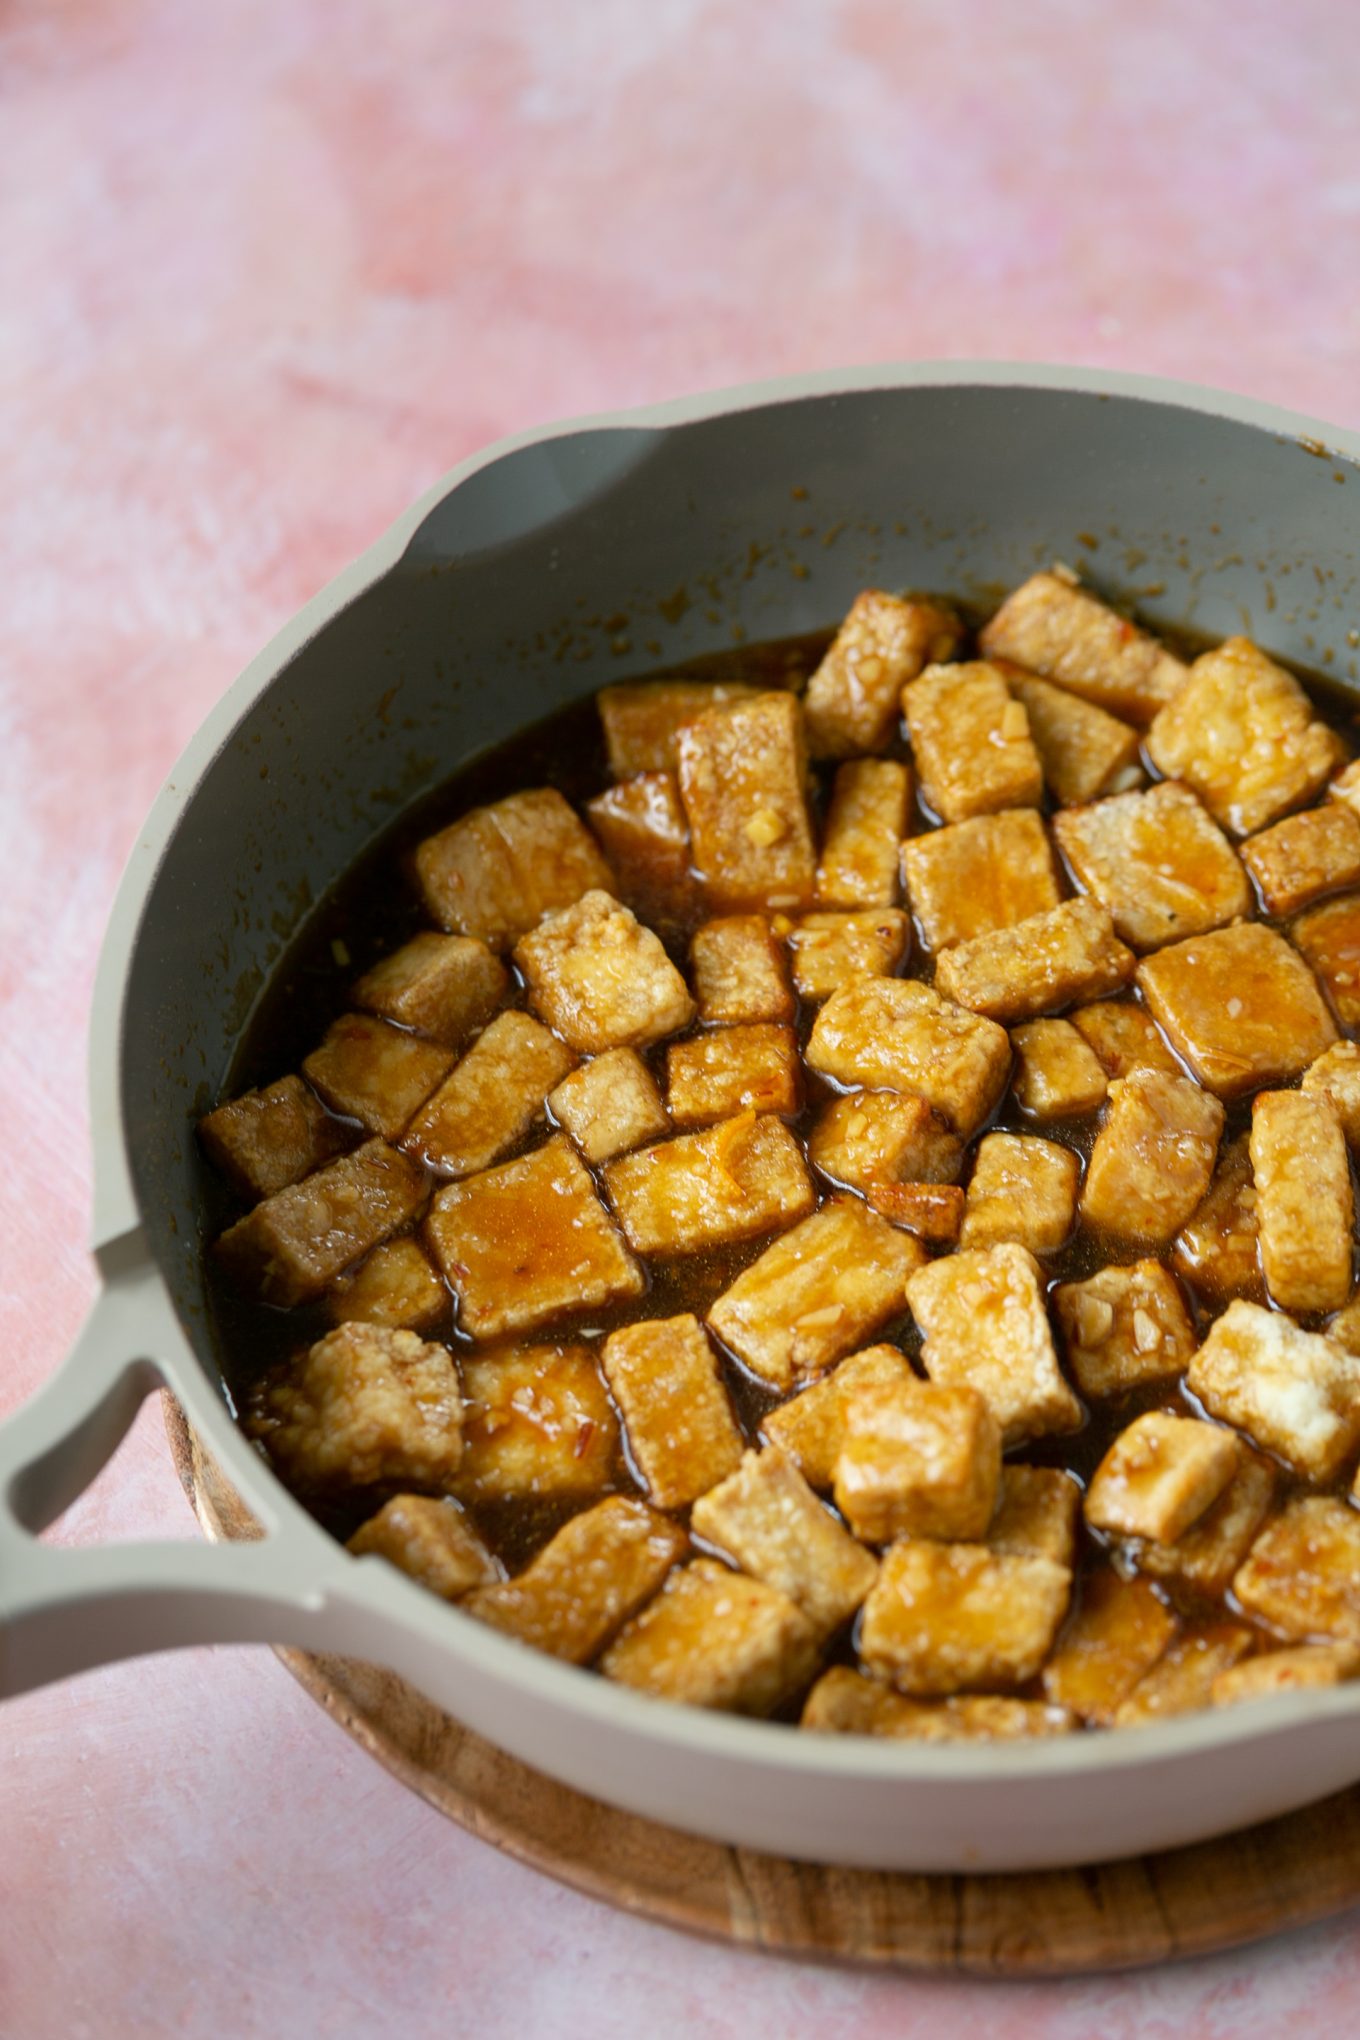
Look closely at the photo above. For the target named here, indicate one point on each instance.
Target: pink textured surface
(267, 272)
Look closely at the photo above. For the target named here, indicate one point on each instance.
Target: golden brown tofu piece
(871, 1137)
(525, 1243)
(1239, 1005)
(1183, 1679)
(1204, 1559)
(810, 1427)
(492, 1098)
(1159, 863)
(732, 1181)
(1335, 1076)
(1153, 1158)
(743, 780)
(610, 1104)
(1215, 1250)
(444, 986)
(844, 1702)
(971, 741)
(767, 1520)
(933, 1211)
(896, 1034)
(715, 1638)
(1306, 1666)
(948, 1618)
(974, 877)
(816, 1292)
(433, 1541)
(642, 829)
(575, 1595)
(1059, 630)
(374, 1073)
(364, 1404)
(1116, 1636)
(1020, 973)
(537, 1425)
(1159, 1477)
(1242, 735)
(1023, 1188)
(917, 1460)
(1305, 856)
(1296, 1393)
(496, 872)
(1084, 751)
(1058, 1075)
(641, 719)
(1036, 1513)
(867, 819)
(395, 1286)
(1329, 937)
(882, 644)
(828, 950)
(681, 1433)
(982, 1316)
(602, 980)
(712, 1076)
(1124, 1327)
(1346, 785)
(1304, 1209)
(1123, 1037)
(1302, 1574)
(266, 1140)
(292, 1246)
(740, 972)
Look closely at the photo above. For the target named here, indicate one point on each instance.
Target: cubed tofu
(1123, 1037)
(1239, 1006)
(609, 1105)
(537, 1426)
(1215, 1251)
(933, 1211)
(767, 1520)
(844, 1702)
(1336, 1076)
(971, 741)
(292, 1246)
(364, 1404)
(641, 718)
(828, 950)
(1118, 1632)
(816, 1292)
(1202, 1561)
(1305, 856)
(871, 1137)
(1242, 735)
(432, 1540)
(681, 1433)
(1058, 1075)
(882, 644)
(492, 1099)
(743, 780)
(1084, 751)
(374, 1073)
(1023, 1188)
(712, 1076)
(575, 1595)
(496, 872)
(601, 980)
(395, 1286)
(1346, 785)
(810, 1427)
(642, 829)
(867, 819)
(1158, 861)
(982, 1316)
(948, 1618)
(1184, 1677)
(740, 972)
(896, 1034)
(1306, 1666)
(1329, 937)
(1059, 630)
(1153, 1158)
(1302, 1575)
(1159, 1477)
(266, 1140)
(1296, 1393)
(731, 1182)
(444, 986)
(1036, 1513)
(1124, 1328)
(974, 877)
(716, 1638)
(1304, 1208)
(917, 1460)
(528, 1242)
(1038, 966)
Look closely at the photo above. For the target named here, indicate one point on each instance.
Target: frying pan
(535, 572)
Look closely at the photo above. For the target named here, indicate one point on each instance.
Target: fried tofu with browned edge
(1039, 966)
(681, 1433)
(295, 1243)
(917, 1460)
(1158, 861)
(1124, 1327)
(498, 870)
(264, 1141)
(865, 824)
(767, 1520)
(1058, 629)
(716, 1638)
(1153, 1158)
(743, 781)
(575, 1595)
(432, 1540)
(730, 1182)
(443, 986)
(609, 1105)
(1304, 1208)
(982, 1316)
(1239, 1005)
(971, 742)
(883, 643)
(977, 876)
(740, 972)
(1295, 1393)
(491, 1099)
(537, 1426)
(364, 1404)
(896, 1034)
(951, 1618)
(600, 979)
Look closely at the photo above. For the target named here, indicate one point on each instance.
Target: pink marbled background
(265, 271)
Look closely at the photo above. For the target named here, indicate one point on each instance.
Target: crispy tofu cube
(601, 979)
(917, 1460)
(525, 1243)
(1116, 1636)
(1239, 1005)
(1036, 1513)
(810, 1426)
(731, 1182)
(1153, 1158)
(883, 643)
(496, 872)
(1123, 1328)
(1159, 1477)
(982, 1316)
(1084, 751)
(641, 719)
(974, 877)
(642, 830)
(431, 1540)
(816, 1292)
(844, 1702)
(1157, 861)
(1335, 1076)
(575, 1596)
(266, 1140)
(971, 741)
(1023, 1188)
(374, 1073)
(1346, 785)
(896, 1034)
(1215, 1250)
(947, 1618)
(828, 950)
(767, 1520)
(740, 972)
(1183, 1679)
(933, 1211)
(872, 1137)
(1329, 937)
(292, 1246)
(395, 1286)
(1059, 630)
(1058, 1075)
(1203, 1560)
(681, 1433)
(1242, 735)
(712, 1076)
(444, 986)
(364, 1404)
(1307, 1665)
(610, 1104)
(1304, 1207)
(1296, 1393)
(493, 1097)
(537, 1425)
(1123, 1037)
(743, 780)
(1070, 952)
(1302, 1574)
(1305, 856)
(715, 1638)
(867, 819)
